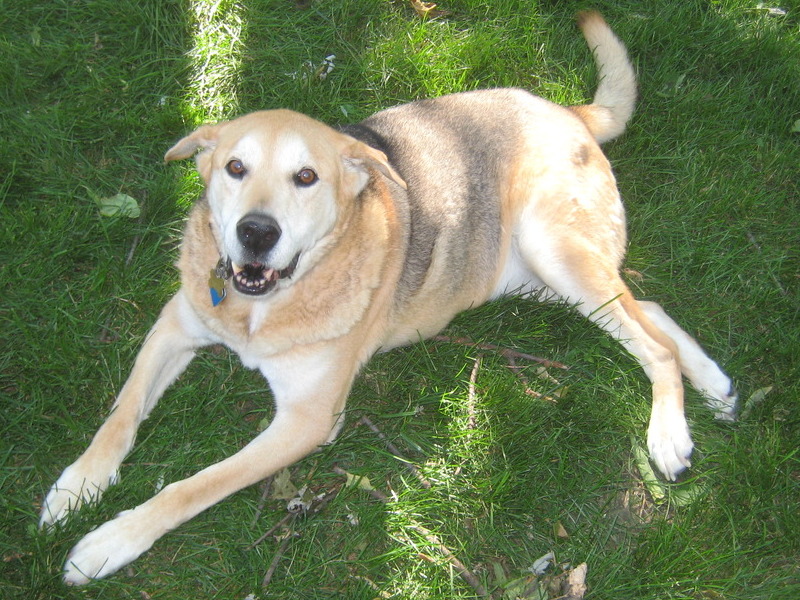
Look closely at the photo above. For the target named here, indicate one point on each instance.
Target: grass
(93, 93)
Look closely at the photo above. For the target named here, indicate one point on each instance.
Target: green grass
(92, 94)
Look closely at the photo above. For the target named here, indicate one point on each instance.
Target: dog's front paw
(76, 486)
(669, 443)
(108, 548)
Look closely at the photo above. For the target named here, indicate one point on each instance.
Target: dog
(313, 248)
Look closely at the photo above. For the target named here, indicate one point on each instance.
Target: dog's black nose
(258, 233)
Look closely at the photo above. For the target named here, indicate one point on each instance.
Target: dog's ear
(205, 138)
(358, 156)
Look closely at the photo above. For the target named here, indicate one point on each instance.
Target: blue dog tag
(216, 287)
(216, 280)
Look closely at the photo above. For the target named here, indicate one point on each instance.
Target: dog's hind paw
(723, 405)
(72, 490)
(717, 388)
(721, 397)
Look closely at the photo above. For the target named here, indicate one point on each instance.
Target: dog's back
(467, 159)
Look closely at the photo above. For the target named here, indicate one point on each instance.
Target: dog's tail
(615, 98)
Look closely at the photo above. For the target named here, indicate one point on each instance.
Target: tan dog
(313, 248)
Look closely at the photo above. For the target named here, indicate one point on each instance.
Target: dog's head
(277, 182)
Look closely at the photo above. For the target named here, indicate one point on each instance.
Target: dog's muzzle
(258, 234)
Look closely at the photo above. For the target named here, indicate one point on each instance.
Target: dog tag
(216, 280)
(216, 287)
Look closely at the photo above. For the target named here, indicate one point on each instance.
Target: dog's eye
(235, 168)
(306, 177)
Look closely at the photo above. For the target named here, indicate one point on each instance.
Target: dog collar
(217, 278)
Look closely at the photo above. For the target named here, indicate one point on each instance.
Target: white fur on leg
(669, 441)
(717, 389)
(703, 373)
(708, 379)
(109, 548)
(75, 487)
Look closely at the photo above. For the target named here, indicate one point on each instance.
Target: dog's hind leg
(578, 270)
(310, 391)
(704, 374)
(169, 347)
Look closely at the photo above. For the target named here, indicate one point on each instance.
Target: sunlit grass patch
(219, 38)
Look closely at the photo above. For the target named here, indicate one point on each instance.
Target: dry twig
(262, 501)
(508, 353)
(460, 567)
(275, 559)
(471, 393)
(396, 451)
(272, 530)
(511, 357)
(317, 504)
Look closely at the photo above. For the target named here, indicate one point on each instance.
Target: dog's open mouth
(255, 279)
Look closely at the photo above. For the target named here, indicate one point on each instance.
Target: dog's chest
(257, 318)
(258, 335)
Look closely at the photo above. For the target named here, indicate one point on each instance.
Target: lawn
(469, 475)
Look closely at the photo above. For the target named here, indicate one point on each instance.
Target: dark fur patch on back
(423, 230)
(450, 152)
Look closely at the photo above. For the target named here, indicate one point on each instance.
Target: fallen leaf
(525, 588)
(541, 564)
(282, 486)
(685, 494)
(542, 373)
(119, 205)
(425, 9)
(754, 400)
(574, 588)
(559, 531)
(499, 572)
(301, 502)
(633, 275)
(773, 11)
(651, 482)
(360, 481)
(796, 127)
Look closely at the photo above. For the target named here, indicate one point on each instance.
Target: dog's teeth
(256, 278)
